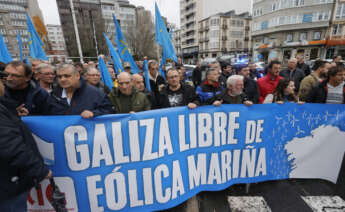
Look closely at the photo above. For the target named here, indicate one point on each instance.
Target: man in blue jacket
(30, 98)
(22, 166)
(73, 96)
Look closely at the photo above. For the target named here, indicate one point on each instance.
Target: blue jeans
(16, 204)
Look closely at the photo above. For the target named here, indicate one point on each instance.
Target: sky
(168, 8)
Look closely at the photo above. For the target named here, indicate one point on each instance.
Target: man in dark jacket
(73, 96)
(233, 94)
(157, 82)
(31, 99)
(250, 86)
(139, 85)
(226, 72)
(302, 66)
(21, 163)
(330, 91)
(293, 73)
(210, 88)
(197, 75)
(176, 93)
(93, 77)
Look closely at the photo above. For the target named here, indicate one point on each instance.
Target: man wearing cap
(127, 67)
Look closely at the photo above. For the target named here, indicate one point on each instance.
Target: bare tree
(141, 38)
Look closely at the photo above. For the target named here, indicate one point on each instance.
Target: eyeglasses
(14, 75)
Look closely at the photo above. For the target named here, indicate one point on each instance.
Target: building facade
(12, 22)
(90, 26)
(176, 39)
(109, 7)
(93, 18)
(283, 29)
(191, 12)
(224, 34)
(57, 42)
(336, 41)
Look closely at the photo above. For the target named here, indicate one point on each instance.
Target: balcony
(201, 29)
(224, 49)
(224, 38)
(207, 28)
(225, 26)
(201, 40)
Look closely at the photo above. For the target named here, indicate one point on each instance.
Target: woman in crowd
(284, 92)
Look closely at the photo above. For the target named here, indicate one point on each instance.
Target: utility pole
(94, 32)
(76, 32)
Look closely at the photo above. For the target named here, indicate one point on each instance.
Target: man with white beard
(234, 93)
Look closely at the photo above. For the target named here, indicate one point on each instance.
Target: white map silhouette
(46, 149)
(319, 155)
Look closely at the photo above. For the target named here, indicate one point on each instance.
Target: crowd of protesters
(77, 89)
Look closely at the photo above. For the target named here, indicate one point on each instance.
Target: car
(188, 71)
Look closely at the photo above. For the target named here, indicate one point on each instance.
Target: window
(215, 22)
(335, 29)
(281, 20)
(340, 11)
(303, 36)
(317, 36)
(314, 53)
(214, 33)
(289, 37)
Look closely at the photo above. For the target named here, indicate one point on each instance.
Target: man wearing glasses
(74, 96)
(30, 98)
(46, 76)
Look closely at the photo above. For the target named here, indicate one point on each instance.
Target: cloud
(50, 11)
(168, 8)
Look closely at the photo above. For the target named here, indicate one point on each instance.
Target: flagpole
(76, 32)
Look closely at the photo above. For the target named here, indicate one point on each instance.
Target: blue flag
(20, 46)
(114, 55)
(161, 66)
(35, 42)
(106, 77)
(5, 56)
(122, 47)
(163, 38)
(147, 77)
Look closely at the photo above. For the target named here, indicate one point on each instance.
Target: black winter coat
(155, 89)
(86, 97)
(251, 90)
(318, 93)
(36, 100)
(197, 77)
(22, 166)
(304, 68)
(189, 96)
(297, 76)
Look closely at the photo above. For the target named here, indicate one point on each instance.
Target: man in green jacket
(320, 73)
(125, 98)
